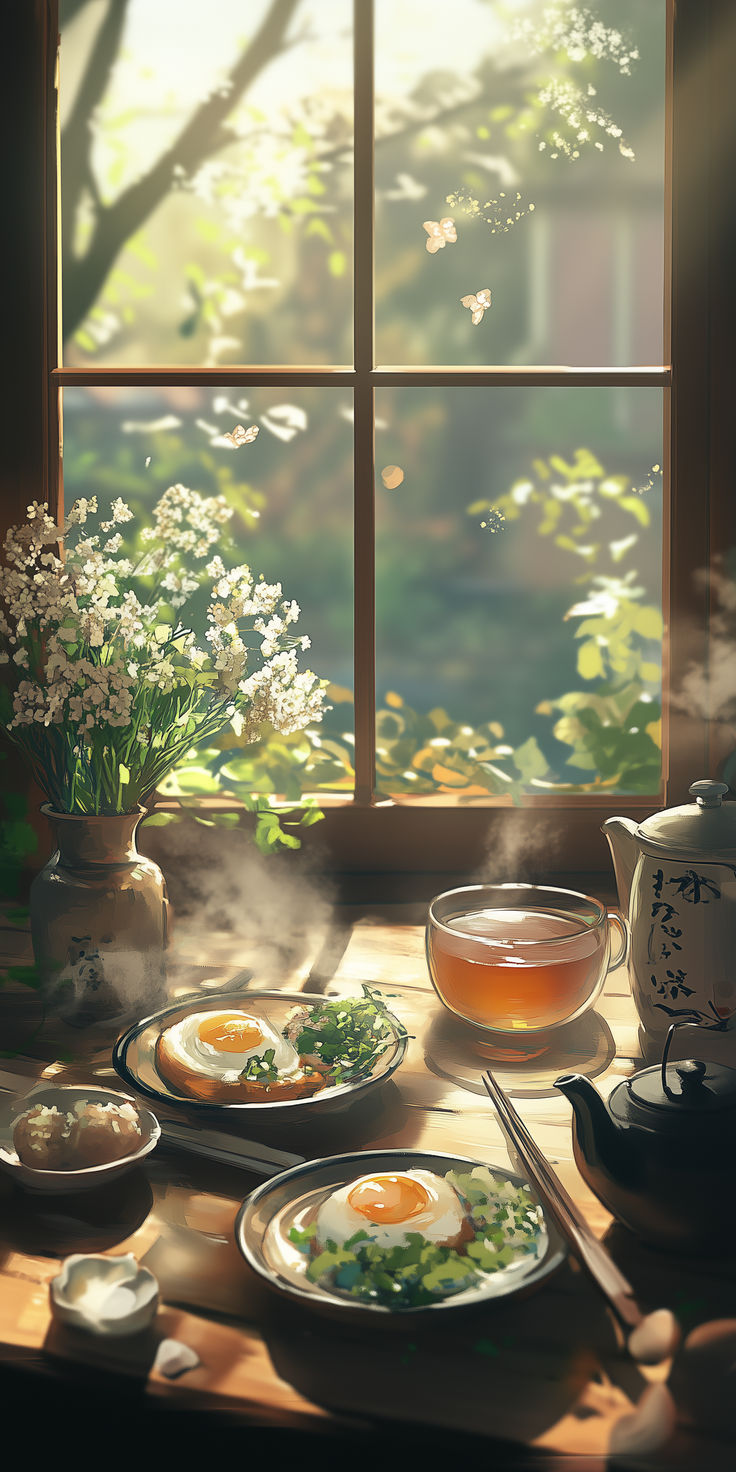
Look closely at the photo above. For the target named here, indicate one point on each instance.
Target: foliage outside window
(218, 231)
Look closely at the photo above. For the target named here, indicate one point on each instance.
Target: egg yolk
(387, 1198)
(230, 1032)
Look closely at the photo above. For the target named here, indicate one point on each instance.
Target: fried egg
(387, 1205)
(219, 1045)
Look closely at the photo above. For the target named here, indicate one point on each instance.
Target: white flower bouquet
(109, 689)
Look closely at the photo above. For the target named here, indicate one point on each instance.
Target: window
(482, 540)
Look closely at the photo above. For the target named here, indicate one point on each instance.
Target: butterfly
(240, 436)
(439, 234)
(478, 304)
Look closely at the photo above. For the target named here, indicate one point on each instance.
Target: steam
(520, 852)
(231, 909)
(101, 985)
(710, 691)
(238, 908)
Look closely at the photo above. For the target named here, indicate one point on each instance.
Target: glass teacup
(517, 960)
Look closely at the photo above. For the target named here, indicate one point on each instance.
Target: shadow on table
(456, 1051)
(377, 1116)
(83, 1221)
(697, 1286)
(508, 1370)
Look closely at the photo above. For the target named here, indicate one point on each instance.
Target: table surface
(547, 1372)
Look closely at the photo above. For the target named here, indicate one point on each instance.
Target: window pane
(538, 128)
(290, 488)
(206, 184)
(518, 590)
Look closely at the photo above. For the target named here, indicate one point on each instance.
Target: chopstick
(263, 1160)
(655, 1335)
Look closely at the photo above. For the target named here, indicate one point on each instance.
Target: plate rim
(557, 1252)
(123, 1043)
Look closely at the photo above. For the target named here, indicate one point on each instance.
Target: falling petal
(440, 232)
(392, 476)
(477, 303)
(239, 436)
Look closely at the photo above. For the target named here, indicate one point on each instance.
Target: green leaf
(310, 816)
(239, 769)
(318, 226)
(529, 760)
(637, 508)
(27, 975)
(646, 621)
(197, 781)
(590, 661)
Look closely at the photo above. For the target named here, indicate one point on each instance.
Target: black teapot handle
(672, 1029)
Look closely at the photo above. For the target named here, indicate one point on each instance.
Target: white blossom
(102, 655)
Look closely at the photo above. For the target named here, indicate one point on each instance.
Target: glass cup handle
(617, 921)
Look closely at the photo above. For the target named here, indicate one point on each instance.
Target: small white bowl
(65, 1096)
(109, 1296)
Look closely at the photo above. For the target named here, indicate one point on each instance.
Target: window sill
(414, 849)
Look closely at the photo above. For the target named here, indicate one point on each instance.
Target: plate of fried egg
(263, 1050)
(394, 1233)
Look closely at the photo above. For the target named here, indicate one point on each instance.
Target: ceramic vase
(99, 921)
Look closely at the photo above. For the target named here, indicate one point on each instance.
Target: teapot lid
(705, 828)
(689, 1085)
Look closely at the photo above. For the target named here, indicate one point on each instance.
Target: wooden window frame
(367, 833)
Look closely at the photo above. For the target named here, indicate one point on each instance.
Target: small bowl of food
(278, 1053)
(392, 1234)
(69, 1137)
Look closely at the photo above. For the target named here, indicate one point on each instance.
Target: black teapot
(660, 1154)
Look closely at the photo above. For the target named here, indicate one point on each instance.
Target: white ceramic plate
(134, 1057)
(65, 1096)
(293, 1198)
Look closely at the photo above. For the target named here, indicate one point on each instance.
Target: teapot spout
(596, 1135)
(621, 834)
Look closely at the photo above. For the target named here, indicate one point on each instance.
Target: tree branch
(430, 120)
(77, 137)
(118, 221)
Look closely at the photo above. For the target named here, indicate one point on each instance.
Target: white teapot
(676, 878)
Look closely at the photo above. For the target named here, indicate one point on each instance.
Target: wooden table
(547, 1373)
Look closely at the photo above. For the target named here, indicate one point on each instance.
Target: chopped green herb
(263, 1070)
(302, 1236)
(506, 1223)
(347, 1035)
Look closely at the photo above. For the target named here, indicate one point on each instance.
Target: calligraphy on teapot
(682, 954)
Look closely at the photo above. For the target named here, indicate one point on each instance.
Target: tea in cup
(520, 958)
